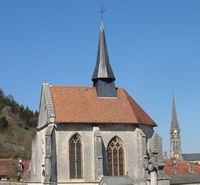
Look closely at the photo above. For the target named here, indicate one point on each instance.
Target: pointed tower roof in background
(174, 123)
(102, 69)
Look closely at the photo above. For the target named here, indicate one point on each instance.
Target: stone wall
(12, 183)
(133, 139)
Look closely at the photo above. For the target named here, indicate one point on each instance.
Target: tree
(2, 95)
(12, 172)
(36, 114)
(10, 97)
(3, 122)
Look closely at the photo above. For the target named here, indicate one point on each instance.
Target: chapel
(96, 135)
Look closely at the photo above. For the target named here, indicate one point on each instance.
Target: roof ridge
(72, 87)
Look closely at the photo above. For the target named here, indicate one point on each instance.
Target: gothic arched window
(115, 154)
(75, 157)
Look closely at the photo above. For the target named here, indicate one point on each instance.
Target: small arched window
(75, 157)
(115, 153)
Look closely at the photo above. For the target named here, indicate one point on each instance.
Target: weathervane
(102, 11)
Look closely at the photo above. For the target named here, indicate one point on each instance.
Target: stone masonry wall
(12, 183)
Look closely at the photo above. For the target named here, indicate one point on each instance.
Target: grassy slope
(15, 140)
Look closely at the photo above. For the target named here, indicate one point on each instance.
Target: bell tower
(175, 139)
(103, 77)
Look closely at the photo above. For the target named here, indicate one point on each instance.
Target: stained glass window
(115, 153)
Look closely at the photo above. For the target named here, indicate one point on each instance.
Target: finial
(45, 83)
(102, 11)
(173, 92)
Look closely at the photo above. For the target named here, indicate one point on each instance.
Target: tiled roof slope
(181, 167)
(7, 165)
(81, 105)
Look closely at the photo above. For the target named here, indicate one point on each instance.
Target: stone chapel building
(95, 135)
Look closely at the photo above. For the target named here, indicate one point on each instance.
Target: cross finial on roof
(102, 11)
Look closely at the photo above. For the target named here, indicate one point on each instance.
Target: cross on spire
(102, 11)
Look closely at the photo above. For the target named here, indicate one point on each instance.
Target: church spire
(103, 77)
(175, 144)
(174, 123)
(103, 68)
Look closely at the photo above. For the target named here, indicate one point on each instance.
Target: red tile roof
(181, 167)
(197, 169)
(81, 105)
(7, 165)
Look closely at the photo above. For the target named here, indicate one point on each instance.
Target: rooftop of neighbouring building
(174, 167)
(7, 165)
(185, 179)
(191, 157)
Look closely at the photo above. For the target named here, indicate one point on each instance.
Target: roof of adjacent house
(7, 165)
(191, 157)
(173, 167)
(4, 167)
(185, 179)
(81, 105)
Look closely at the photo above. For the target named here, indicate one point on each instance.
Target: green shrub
(3, 122)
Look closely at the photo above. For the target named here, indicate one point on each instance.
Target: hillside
(17, 128)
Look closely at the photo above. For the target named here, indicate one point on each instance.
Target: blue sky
(154, 49)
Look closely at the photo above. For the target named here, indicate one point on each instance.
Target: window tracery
(75, 157)
(115, 154)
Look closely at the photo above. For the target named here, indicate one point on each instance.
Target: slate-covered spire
(103, 68)
(103, 77)
(174, 123)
